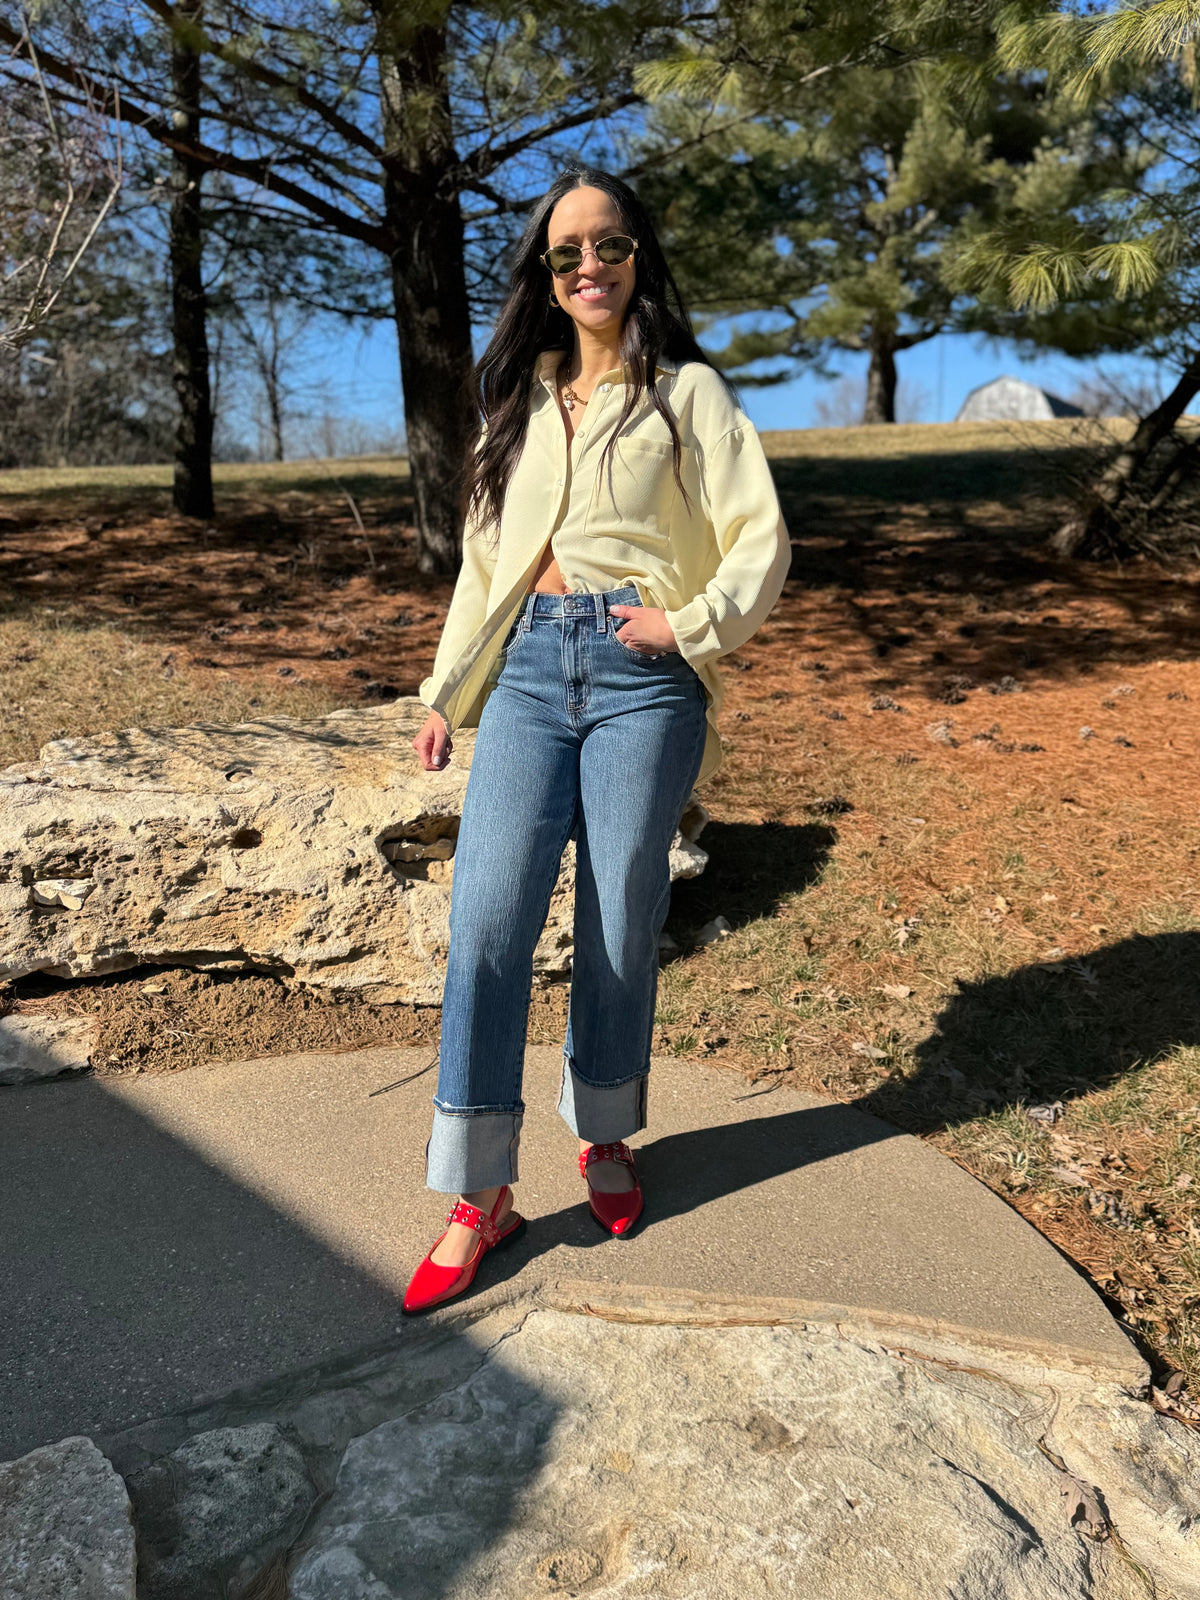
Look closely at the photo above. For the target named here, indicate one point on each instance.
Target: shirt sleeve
(468, 604)
(739, 497)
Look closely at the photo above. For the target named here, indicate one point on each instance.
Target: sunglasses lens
(564, 257)
(615, 250)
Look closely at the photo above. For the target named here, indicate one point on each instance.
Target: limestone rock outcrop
(519, 1448)
(1148, 1467)
(315, 849)
(210, 1511)
(65, 1528)
(618, 1461)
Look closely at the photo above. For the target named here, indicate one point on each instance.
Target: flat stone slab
(170, 1237)
(65, 1529)
(33, 1049)
(575, 1457)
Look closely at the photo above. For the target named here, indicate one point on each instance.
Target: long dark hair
(656, 324)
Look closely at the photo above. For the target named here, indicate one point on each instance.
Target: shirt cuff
(425, 696)
(695, 632)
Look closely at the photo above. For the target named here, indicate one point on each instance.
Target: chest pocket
(634, 492)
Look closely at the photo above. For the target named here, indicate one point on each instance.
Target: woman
(639, 538)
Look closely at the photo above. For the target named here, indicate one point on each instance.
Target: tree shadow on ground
(1049, 1031)
(931, 560)
(1009, 471)
(272, 549)
(936, 562)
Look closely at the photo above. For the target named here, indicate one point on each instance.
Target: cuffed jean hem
(602, 1114)
(470, 1150)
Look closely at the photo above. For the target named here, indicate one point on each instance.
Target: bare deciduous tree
(59, 184)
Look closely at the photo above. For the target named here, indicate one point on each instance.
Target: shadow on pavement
(139, 1280)
(685, 1171)
(137, 1277)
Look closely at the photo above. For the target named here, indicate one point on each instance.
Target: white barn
(1009, 399)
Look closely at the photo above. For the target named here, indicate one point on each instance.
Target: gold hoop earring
(552, 298)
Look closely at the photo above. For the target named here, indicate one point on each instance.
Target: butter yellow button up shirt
(716, 569)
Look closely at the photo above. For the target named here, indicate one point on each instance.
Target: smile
(593, 291)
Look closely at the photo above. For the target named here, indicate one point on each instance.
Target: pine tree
(1090, 270)
(403, 127)
(847, 212)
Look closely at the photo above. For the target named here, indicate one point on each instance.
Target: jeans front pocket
(668, 657)
(616, 626)
(512, 639)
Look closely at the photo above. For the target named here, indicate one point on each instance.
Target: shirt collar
(548, 362)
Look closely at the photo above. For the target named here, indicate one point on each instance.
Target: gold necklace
(570, 398)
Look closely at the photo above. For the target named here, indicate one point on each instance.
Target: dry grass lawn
(954, 837)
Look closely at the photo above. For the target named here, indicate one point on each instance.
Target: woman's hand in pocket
(646, 629)
(433, 744)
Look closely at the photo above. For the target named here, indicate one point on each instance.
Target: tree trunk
(192, 494)
(267, 353)
(881, 377)
(1174, 475)
(270, 358)
(429, 286)
(1094, 531)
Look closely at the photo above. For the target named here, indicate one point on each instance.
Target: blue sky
(356, 375)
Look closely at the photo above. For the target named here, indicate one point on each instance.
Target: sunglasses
(566, 258)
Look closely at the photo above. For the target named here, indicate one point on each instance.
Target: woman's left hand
(647, 629)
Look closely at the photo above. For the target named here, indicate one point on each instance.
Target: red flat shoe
(431, 1284)
(616, 1213)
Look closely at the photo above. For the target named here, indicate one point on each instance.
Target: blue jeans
(582, 736)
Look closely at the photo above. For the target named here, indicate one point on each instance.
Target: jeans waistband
(588, 607)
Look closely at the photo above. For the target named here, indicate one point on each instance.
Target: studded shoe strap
(605, 1152)
(479, 1221)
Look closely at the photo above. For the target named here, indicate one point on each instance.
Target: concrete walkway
(167, 1238)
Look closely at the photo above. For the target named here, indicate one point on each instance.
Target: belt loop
(600, 612)
(527, 610)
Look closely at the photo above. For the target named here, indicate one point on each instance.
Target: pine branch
(1162, 28)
